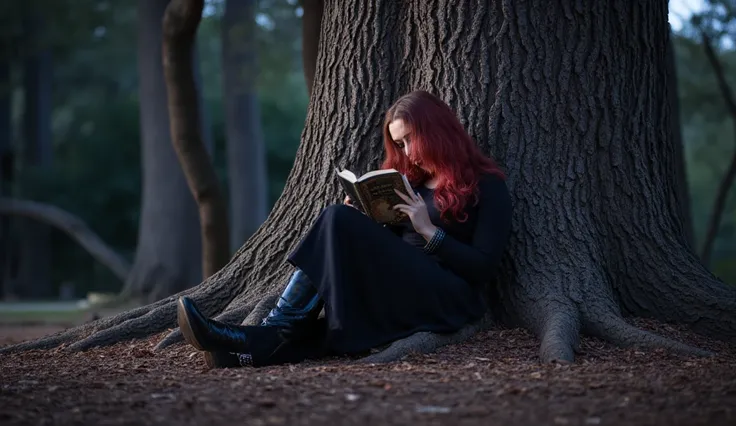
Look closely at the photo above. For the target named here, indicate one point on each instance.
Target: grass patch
(44, 317)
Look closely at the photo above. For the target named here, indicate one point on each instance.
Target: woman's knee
(340, 215)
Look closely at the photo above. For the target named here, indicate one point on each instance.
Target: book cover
(373, 193)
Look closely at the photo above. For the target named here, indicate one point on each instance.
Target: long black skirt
(377, 288)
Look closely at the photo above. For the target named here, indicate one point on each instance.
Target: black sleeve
(476, 262)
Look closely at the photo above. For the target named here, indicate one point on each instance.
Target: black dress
(379, 286)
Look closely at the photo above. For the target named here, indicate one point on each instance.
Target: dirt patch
(494, 378)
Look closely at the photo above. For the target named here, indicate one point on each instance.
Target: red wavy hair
(439, 140)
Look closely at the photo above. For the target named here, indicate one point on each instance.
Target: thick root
(672, 285)
(262, 308)
(425, 342)
(73, 334)
(153, 322)
(560, 336)
(617, 331)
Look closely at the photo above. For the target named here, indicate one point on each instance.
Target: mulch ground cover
(493, 379)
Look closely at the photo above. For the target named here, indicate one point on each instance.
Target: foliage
(709, 139)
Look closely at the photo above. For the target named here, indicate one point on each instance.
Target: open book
(373, 193)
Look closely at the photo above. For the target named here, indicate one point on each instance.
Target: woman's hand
(416, 209)
(349, 202)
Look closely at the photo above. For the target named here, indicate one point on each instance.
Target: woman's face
(401, 135)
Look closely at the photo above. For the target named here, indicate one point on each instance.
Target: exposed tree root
(425, 342)
(560, 336)
(261, 309)
(670, 284)
(617, 331)
(75, 333)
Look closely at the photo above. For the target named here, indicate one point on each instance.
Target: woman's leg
(295, 314)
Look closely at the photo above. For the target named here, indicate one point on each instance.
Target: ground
(494, 378)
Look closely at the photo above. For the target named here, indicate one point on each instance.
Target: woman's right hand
(348, 201)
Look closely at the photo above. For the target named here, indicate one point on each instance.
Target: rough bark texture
(168, 255)
(33, 279)
(579, 121)
(246, 149)
(311, 28)
(181, 20)
(683, 189)
(72, 226)
(724, 187)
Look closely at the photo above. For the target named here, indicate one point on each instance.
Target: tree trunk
(683, 190)
(181, 20)
(311, 27)
(34, 257)
(246, 150)
(580, 123)
(6, 171)
(168, 255)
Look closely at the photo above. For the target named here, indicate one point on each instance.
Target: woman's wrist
(434, 242)
(428, 232)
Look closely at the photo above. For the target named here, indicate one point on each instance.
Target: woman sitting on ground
(378, 283)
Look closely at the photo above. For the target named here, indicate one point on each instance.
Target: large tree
(246, 149)
(570, 97)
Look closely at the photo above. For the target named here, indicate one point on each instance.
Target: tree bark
(168, 255)
(719, 204)
(246, 150)
(181, 20)
(34, 278)
(72, 226)
(570, 98)
(311, 27)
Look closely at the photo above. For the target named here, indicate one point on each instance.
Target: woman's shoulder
(493, 188)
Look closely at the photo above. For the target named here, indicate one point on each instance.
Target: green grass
(44, 317)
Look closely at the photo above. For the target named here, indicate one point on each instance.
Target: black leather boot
(295, 315)
(254, 345)
(298, 306)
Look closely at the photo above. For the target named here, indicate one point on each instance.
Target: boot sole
(186, 328)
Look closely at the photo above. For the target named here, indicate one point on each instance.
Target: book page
(347, 175)
(373, 173)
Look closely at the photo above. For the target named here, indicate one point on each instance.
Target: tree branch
(72, 226)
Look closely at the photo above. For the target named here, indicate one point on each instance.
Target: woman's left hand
(416, 209)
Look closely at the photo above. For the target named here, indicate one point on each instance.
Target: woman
(379, 284)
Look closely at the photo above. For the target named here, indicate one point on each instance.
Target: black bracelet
(435, 241)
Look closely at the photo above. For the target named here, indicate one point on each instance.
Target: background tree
(311, 27)
(246, 151)
(181, 20)
(579, 126)
(36, 151)
(715, 26)
(168, 253)
(6, 163)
